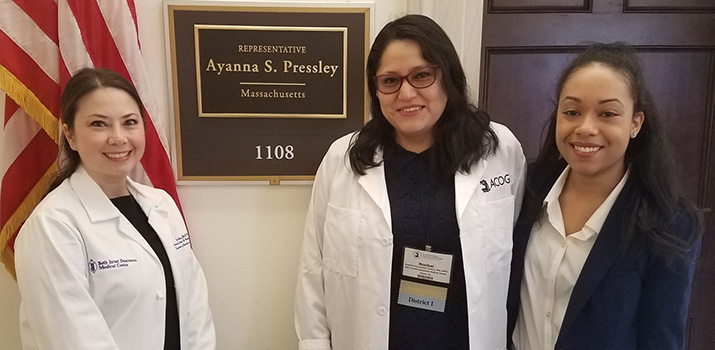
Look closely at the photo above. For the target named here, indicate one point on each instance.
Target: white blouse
(552, 265)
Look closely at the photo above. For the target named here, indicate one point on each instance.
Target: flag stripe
(15, 136)
(44, 13)
(10, 108)
(64, 78)
(156, 164)
(25, 172)
(9, 144)
(10, 228)
(30, 75)
(97, 39)
(73, 54)
(133, 10)
(23, 30)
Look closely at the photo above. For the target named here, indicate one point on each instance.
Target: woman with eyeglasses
(407, 241)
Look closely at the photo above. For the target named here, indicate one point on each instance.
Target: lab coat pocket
(496, 219)
(342, 227)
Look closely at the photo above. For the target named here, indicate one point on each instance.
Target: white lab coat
(89, 280)
(343, 290)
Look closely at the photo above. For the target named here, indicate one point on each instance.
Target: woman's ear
(638, 119)
(69, 136)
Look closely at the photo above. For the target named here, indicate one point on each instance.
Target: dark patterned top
(423, 214)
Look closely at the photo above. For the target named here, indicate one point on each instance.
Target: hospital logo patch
(110, 264)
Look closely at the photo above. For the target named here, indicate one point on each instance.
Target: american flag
(42, 43)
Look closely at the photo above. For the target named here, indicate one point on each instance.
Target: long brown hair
(81, 84)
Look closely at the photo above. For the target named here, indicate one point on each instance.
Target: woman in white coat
(407, 242)
(104, 262)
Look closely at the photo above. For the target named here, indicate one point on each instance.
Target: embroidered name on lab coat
(181, 241)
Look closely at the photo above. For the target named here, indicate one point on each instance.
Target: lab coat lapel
(373, 182)
(464, 187)
(155, 209)
(100, 208)
(156, 215)
(95, 203)
(126, 228)
(604, 253)
(151, 206)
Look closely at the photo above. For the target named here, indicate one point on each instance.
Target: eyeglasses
(419, 78)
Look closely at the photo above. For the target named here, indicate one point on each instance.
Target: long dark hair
(462, 135)
(647, 157)
(81, 84)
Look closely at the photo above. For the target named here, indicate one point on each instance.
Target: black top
(133, 212)
(423, 213)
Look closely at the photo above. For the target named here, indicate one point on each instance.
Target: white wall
(248, 237)
(9, 299)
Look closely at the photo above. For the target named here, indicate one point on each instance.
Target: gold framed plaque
(260, 92)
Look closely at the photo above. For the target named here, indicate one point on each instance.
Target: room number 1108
(275, 152)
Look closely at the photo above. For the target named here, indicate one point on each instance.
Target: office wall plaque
(260, 92)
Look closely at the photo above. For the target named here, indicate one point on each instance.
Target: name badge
(422, 296)
(428, 266)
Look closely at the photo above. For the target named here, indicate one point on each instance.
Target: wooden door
(526, 44)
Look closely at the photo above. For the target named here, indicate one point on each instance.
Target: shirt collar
(595, 222)
(398, 158)
(551, 203)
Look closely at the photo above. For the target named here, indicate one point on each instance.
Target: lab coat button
(548, 314)
(381, 310)
(160, 294)
(385, 241)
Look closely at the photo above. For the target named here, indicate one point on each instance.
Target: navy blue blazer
(620, 300)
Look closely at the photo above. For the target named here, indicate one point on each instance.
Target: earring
(634, 134)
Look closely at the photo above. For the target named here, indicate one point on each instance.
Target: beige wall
(248, 237)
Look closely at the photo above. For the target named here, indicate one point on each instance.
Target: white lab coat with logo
(343, 290)
(89, 280)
